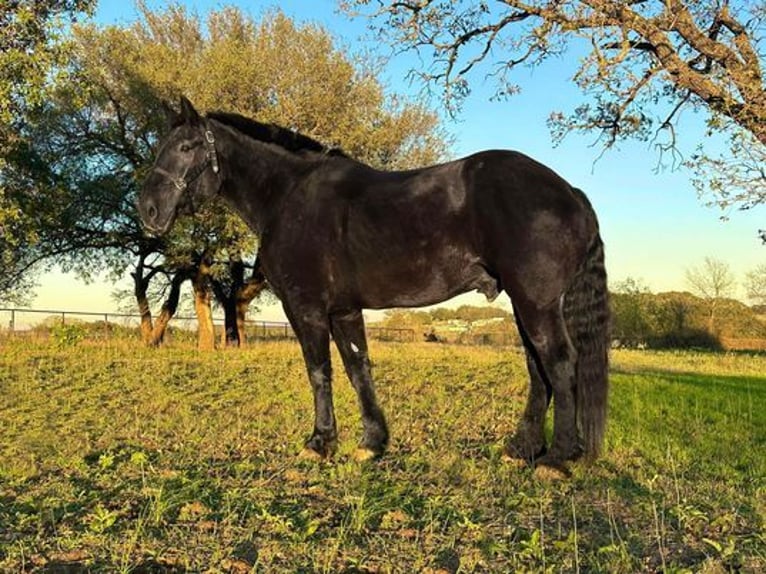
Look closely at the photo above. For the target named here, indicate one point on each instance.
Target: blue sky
(653, 224)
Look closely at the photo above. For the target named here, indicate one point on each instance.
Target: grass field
(121, 459)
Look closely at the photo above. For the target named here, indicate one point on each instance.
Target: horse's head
(185, 170)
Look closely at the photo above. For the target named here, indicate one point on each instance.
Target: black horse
(337, 236)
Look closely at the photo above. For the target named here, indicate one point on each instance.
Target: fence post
(13, 321)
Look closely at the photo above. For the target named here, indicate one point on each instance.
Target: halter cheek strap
(210, 152)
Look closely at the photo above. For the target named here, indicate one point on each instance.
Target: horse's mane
(270, 133)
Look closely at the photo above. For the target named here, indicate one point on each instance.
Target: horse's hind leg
(528, 442)
(556, 356)
(348, 332)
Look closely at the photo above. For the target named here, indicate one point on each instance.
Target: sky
(653, 224)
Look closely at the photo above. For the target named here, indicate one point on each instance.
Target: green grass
(122, 459)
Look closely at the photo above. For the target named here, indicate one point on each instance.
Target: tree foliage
(464, 313)
(30, 50)
(673, 319)
(631, 322)
(643, 63)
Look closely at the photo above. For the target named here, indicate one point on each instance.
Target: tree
(755, 284)
(631, 312)
(234, 291)
(644, 62)
(713, 281)
(94, 138)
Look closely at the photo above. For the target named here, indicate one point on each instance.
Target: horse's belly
(418, 284)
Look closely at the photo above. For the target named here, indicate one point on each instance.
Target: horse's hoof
(318, 448)
(514, 461)
(363, 454)
(311, 455)
(520, 456)
(549, 473)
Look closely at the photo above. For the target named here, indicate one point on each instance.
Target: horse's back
(495, 218)
(488, 221)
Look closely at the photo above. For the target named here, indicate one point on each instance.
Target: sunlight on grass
(119, 458)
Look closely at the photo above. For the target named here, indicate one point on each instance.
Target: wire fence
(22, 322)
(27, 322)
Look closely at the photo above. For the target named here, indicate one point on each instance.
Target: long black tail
(586, 311)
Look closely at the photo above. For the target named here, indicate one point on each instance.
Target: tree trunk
(140, 287)
(235, 308)
(241, 316)
(202, 305)
(143, 308)
(244, 296)
(235, 298)
(231, 336)
(169, 308)
(711, 320)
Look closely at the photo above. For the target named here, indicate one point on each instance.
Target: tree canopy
(643, 62)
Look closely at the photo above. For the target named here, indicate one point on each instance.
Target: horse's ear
(188, 113)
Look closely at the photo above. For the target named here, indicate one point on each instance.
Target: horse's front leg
(348, 333)
(312, 330)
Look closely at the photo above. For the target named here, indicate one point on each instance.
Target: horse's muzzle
(151, 216)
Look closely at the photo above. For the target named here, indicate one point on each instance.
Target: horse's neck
(256, 175)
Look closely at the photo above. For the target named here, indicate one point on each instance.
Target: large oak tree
(93, 140)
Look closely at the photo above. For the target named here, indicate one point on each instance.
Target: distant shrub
(687, 339)
(68, 334)
(680, 320)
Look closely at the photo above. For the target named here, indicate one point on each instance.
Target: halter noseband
(191, 175)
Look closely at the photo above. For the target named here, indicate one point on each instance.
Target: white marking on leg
(354, 348)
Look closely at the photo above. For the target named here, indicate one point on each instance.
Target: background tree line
(706, 316)
(640, 319)
(703, 317)
(81, 128)
(680, 319)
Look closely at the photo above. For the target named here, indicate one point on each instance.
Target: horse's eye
(185, 147)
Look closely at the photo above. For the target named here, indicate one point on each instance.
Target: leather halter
(191, 175)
